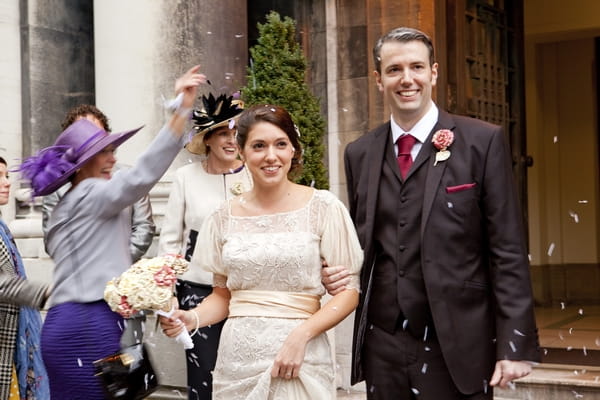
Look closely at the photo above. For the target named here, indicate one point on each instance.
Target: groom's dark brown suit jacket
(473, 251)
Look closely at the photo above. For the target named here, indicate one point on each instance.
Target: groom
(446, 310)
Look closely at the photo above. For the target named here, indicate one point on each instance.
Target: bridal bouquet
(148, 285)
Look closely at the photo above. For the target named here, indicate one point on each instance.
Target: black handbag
(128, 374)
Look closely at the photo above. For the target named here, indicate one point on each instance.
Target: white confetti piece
(79, 362)
(574, 215)
(518, 333)
(512, 346)
(415, 391)
(551, 249)
(450, 205)
(424, 368)
(580, 311)
(555, 139)
(583, 202)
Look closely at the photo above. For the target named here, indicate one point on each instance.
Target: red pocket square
(458, 188)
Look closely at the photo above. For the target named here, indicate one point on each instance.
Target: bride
(265, 249)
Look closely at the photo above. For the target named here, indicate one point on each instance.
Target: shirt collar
(422, 128)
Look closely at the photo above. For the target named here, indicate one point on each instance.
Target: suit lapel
(434, 173)
(375, 157)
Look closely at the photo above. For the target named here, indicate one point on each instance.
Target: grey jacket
(89, 229)
(142, 224)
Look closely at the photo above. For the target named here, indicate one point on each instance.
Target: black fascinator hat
(215, 112)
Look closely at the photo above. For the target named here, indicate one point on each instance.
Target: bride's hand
(290, 357)
(179, 320)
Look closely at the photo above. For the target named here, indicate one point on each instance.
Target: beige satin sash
(271, 303)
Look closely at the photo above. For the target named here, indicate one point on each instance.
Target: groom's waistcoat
(398, 296)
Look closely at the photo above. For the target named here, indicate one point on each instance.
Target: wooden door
(484, 75)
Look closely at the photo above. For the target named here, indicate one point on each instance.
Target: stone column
(51, 51)
(141, 48)
(10, 87)
(57, 66)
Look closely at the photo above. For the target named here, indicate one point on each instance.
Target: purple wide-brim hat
(52, 167)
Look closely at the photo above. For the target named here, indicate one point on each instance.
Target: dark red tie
(405, 144)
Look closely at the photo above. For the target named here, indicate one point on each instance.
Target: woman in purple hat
(88, 237)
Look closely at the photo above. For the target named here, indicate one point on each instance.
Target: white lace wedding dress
(272, 266)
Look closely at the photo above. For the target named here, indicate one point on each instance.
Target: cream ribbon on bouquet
(148, 285)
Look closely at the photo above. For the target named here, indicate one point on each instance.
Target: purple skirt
(74, 335)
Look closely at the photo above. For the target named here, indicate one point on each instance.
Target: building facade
(504, 61)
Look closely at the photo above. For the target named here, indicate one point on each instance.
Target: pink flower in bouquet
(124, 308)
(165, 276)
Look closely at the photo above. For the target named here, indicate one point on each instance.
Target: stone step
(555, 382)
(546, 382)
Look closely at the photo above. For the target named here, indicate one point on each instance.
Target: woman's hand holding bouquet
(148, 285)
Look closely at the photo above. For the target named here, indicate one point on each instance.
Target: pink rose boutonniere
(442, 139)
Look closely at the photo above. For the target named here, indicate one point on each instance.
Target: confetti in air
(555, 139)
(581, 311)
(450, 205)
(518, 333)
(512, 346)
(574, 216)
(415, 391)
(79, 362)
(562, 305)
(424, 368)
(550, 249)
(582, 201)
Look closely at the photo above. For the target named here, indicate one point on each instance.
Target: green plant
(276, 76)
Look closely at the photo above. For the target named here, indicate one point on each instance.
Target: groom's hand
(334, 278)
(507, 370)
